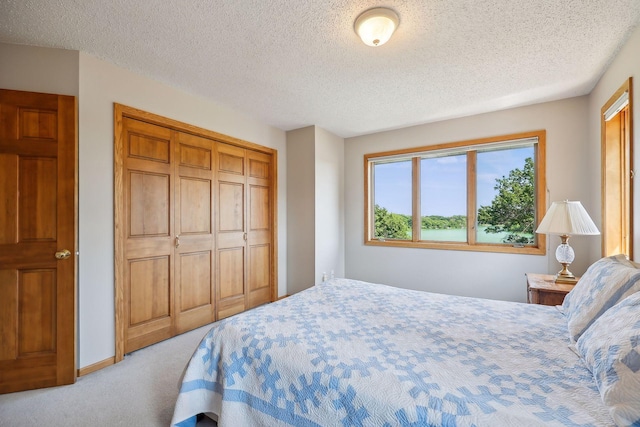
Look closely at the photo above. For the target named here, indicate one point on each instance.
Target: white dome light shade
(375, 26)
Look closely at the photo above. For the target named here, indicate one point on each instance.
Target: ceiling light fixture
(375, 26)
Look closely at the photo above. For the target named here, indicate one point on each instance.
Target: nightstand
(541, 289)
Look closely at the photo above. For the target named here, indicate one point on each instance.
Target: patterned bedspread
(350, 353)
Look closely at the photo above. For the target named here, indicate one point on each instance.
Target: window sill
(526, 250)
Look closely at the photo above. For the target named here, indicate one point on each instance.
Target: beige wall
(329, 204)
(315, 204)
(625, 65)
(38, 69)
(301, 209)
(487, 275)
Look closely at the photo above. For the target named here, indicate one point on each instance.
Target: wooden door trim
(155, 119)
(96, 366)
(274, 224)
(68, 160)
(627, 86)
(119, 231)
(120, 112)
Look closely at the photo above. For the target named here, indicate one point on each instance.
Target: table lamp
(566, 219)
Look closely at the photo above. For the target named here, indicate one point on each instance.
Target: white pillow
(605, 282)
(611, 350)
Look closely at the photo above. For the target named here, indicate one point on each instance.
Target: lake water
(460, 235)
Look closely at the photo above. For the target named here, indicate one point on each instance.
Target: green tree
(513, 208)
(390, 225)
(437, 222)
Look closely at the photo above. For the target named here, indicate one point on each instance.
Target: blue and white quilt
(350, 353)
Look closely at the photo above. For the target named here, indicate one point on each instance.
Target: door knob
(63, 254)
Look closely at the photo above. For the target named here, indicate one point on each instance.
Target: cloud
(488, 177)
(447, 160)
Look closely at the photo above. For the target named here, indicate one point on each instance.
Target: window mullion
(471, 197)
(417, 222)
(369, 218)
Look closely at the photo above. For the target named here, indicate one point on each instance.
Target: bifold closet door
(169, 271)
(231, 230)
(195, 226)
(148, 246)
(244, 229)
(259, 229)
(194, 242)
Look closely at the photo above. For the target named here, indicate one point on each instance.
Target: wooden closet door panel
(259, 235)
(231, 230)
(196, 277)
(231, 277)
(150, 291)
(231, 213)
(9, 199)
(195, 243)
(149, 204)
(259, 274)
(148, 247)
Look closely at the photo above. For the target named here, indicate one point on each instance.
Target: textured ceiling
(296, 63)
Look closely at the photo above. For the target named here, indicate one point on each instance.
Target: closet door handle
(245, 237)
(177, 241)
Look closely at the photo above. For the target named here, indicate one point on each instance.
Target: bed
(351, 353)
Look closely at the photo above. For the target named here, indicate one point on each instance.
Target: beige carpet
(139, 391)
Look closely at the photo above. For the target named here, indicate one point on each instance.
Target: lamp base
(565, 276)
(566, 280)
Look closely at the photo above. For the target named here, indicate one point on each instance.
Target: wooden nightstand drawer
(541, 289)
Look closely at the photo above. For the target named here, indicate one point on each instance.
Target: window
(483, 195)
(392, 200)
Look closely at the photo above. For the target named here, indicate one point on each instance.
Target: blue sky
(444, 181)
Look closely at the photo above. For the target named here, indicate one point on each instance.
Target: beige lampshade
(568, 218)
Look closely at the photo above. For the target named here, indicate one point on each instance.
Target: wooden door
(194, 259)
(617, 166)
(245, 249)
(615, 237)
(231, 230)
(149, 234)
(259, 229)
(37, 225)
